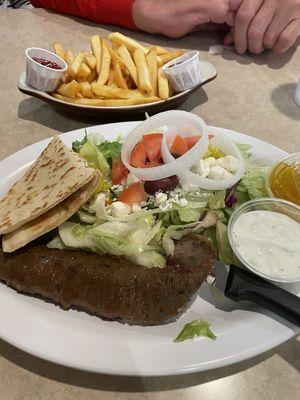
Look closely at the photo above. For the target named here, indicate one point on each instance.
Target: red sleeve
(116, 12)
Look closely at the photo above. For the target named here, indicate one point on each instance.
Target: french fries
(143, 74)
(163, 85)
(151, 58)
(96, 49)
(131, 44)
(164, 58)
(128, 62)
(91, 61)
(118, 72)
(59, 51)
(105, 64)
(74, 67)
(69, 89)
(108, 102)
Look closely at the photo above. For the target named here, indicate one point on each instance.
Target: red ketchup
(46, 63)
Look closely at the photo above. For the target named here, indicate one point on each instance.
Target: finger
(244, 16)
(288, 37)
(228, 39)
(278, 24)
(259, 25)
(234, 4)
(230, 18)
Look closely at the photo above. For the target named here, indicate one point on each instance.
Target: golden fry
(96, 49)
(159, 50)
(111, 78)
(143, 74)
(59, 51)
(69, 89)
(105, 64)
(84, 71)
(115, 92)
(107, 102)
(92, 77)
(164, 58)
(163, 85)
(86, 89)
(74, 68)
(69, 56)
(131, 44)
(91, 61)
(121, 82)
(115, 57)
(128, 61)
(151, 58)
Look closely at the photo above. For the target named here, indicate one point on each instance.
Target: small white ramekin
(184, 72)
(39, 76)
(270, 204)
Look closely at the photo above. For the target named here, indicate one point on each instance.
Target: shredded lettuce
(252, 185)
(195, 329)
(94, 157)
(130, 239)
(110, 150)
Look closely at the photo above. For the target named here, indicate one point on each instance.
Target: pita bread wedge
(56, 174)
(50, 220)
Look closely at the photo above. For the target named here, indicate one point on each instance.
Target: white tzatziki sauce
(269, 242)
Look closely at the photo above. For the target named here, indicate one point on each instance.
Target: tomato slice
(138, 155)
(191, 140)
(118, 172)
(152, 143)
(134, 193)
(179, 146)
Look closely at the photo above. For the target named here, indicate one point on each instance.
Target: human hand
(176, 18)
(265, 24)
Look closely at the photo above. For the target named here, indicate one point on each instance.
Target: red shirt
(116, 12)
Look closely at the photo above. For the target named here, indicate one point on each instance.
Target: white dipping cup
(39, 76)
(184, 72)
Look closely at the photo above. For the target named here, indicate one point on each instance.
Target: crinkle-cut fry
(69, 89)
(91, 61)
(164, 58)
(74, 68)
(128, 61)
(143, 74)
(121, 82)
(59, 51)
(131, 44)
(96, 47)
(163, 85)
(116, 93)
(151, 58)
(84, 71)
(107, 102)
(105, 64)
(86, 89)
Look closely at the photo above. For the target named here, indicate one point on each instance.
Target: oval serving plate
(82, 341)
(208, 71)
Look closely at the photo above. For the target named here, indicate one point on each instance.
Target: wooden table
(253, 95)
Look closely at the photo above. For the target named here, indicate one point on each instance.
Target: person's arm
(117, 12)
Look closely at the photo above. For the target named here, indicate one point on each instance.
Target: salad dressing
(284, 181)
(269, 242)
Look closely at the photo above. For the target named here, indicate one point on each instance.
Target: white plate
(208, 73)
(85, 342)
